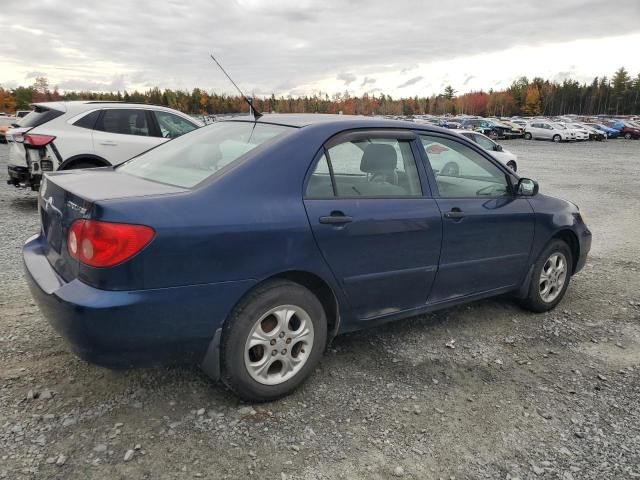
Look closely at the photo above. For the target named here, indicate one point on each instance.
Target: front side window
(191, 159)
(369, 167)
(172, 126)
(462, 172)
(124, 121)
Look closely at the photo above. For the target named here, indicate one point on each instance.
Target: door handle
(336, 218)
(455, 214)
(109, 144)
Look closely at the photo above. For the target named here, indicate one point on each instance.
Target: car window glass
(172, 126)
(88, 121)
(462, 172)
(123, 121)
(373, 167)
(190, 159)
(484, 142)
(319, 185)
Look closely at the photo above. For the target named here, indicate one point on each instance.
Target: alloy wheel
(279, 345)
(553, 277)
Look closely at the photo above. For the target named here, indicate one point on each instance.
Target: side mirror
(527, 187)
(497, 147)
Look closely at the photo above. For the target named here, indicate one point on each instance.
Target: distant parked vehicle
(580, 132)
(610, 132)
(6, 123)
(630, 130)
(87, 134)
(542, 130)
(490, 128)
(517, 130)
(594, 134)
(495, 149)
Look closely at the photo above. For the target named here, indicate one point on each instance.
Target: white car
(495, 149)
(581, 132)
(86, 134)
(545, 130)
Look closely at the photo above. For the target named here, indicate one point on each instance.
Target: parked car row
(84, 134)
(557, 129)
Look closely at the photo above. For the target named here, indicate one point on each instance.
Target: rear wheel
(512, 165)
(627, 136)
(272, 341)
(527, 136)
(550, 279)
(557, 138)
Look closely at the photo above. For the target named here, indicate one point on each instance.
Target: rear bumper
(120, 329)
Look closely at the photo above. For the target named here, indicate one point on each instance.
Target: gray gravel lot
(550, 396)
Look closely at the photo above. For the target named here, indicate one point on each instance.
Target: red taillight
(37, 140)
(104, 244)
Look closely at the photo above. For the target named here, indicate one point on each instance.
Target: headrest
(378, 157)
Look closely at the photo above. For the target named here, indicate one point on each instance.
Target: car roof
(345, 122)
(77, 106)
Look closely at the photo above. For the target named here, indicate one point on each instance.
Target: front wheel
(550, 279)
(557, 138)
(627, 136)
(512, 165)
(272, 341)
(527, 136)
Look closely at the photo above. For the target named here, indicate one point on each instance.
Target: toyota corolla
(246, 246)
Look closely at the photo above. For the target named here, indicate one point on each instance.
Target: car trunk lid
(68, 196)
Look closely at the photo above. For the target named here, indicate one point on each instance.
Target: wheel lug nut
(274, 353)
(284, 351)
(273, 341)
(281, 334)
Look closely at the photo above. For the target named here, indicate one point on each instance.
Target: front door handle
(336, 218)
(108, 144)
(455, 214)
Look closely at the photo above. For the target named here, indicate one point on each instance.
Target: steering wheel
(486, 190)
(450, 169)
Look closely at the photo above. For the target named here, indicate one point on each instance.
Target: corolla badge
(48, 204)
(76, 207)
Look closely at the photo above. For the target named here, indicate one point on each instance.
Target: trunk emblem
(76, 207)
(48, 204)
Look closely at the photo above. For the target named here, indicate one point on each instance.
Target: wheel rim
(556, 138)
(553, 277)
(279, 345)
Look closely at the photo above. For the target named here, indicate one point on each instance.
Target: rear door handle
(108, 144)
(336, 218)
(455, 214)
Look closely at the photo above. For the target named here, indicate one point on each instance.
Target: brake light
(38, 140)
(105, 244)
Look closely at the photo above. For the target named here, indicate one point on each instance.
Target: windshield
(194, 157)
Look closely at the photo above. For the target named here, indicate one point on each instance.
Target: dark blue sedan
(246, 246)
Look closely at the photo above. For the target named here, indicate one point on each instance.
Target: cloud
(34, 74)
(294, 45)
(347, 77)
(367, 80)
(468, 79)
(411, 81)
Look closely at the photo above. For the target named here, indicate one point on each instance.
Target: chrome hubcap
(553, 277)
(279, 345)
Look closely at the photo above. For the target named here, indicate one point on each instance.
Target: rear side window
(124, 121)
(39, 116)
(191, 159)
(373, 167)
(88, 121)
(172, 126)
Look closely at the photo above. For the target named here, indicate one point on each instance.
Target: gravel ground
(550, 396)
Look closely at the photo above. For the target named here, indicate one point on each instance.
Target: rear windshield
(38, 116)
(196, 156)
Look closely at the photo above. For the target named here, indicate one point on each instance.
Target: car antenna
(252, 110)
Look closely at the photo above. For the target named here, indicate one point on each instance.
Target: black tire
(512, 165)
(557, 138)
(234, 372)
(82, 164)
(534, 301)
(528, 136)
(627, 136)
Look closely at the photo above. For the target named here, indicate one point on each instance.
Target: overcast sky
(399, 47)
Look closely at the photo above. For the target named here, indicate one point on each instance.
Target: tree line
(619, 95)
